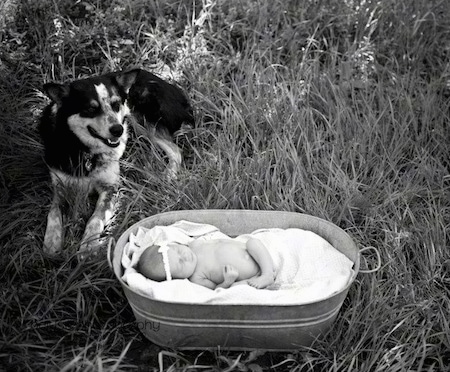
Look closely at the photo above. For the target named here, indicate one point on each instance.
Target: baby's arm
(205, 282)
(261, 255)
(230, 275)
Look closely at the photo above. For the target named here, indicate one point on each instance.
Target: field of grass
(335, 108)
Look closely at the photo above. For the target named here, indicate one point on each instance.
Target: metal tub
(237, 327)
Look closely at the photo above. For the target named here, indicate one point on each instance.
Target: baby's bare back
(213, 255)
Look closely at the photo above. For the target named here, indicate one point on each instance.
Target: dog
(84, 131)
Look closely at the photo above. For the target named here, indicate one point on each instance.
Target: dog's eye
(115, 106)
(90, 109)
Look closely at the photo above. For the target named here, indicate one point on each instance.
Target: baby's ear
(56, 92)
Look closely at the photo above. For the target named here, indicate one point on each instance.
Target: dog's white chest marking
(104, 180)
(104, 175)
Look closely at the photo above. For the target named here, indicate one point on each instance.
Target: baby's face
(182, 261)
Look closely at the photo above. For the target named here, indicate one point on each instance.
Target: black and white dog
(84, 132)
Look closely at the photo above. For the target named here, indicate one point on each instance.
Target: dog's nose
(116, 130)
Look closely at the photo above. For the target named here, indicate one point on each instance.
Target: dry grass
(339, 109)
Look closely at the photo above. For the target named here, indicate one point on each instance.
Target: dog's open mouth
(107, 141)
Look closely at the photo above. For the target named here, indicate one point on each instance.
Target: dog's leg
(53, 239)
(164, 141)
(104, 210)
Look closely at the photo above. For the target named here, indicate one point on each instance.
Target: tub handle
(378, 266)
(110, 253)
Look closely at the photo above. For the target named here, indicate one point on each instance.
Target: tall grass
(338, 109)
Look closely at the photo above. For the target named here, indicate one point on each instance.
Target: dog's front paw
(53, 239)
(90, 248)
(53, 242)
(91, 242)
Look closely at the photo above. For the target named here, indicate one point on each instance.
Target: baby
(217, 263)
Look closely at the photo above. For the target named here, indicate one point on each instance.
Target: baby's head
(180, 262)
(151, 264)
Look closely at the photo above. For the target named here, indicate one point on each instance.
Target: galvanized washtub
(237, 327)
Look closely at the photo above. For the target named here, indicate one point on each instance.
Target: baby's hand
(261, 281)
(230, 274)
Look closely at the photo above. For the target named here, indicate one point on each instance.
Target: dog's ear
(127, 79)
(56, 92)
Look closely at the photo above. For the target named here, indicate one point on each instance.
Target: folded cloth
(308, 268)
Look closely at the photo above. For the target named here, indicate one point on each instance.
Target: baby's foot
(261, 281)
(230, 274)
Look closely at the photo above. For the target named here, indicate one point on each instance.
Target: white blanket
(308, 268)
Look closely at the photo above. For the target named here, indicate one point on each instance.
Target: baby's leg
(261, 281)
(261, 255)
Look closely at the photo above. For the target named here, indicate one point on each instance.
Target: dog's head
(94, 109)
